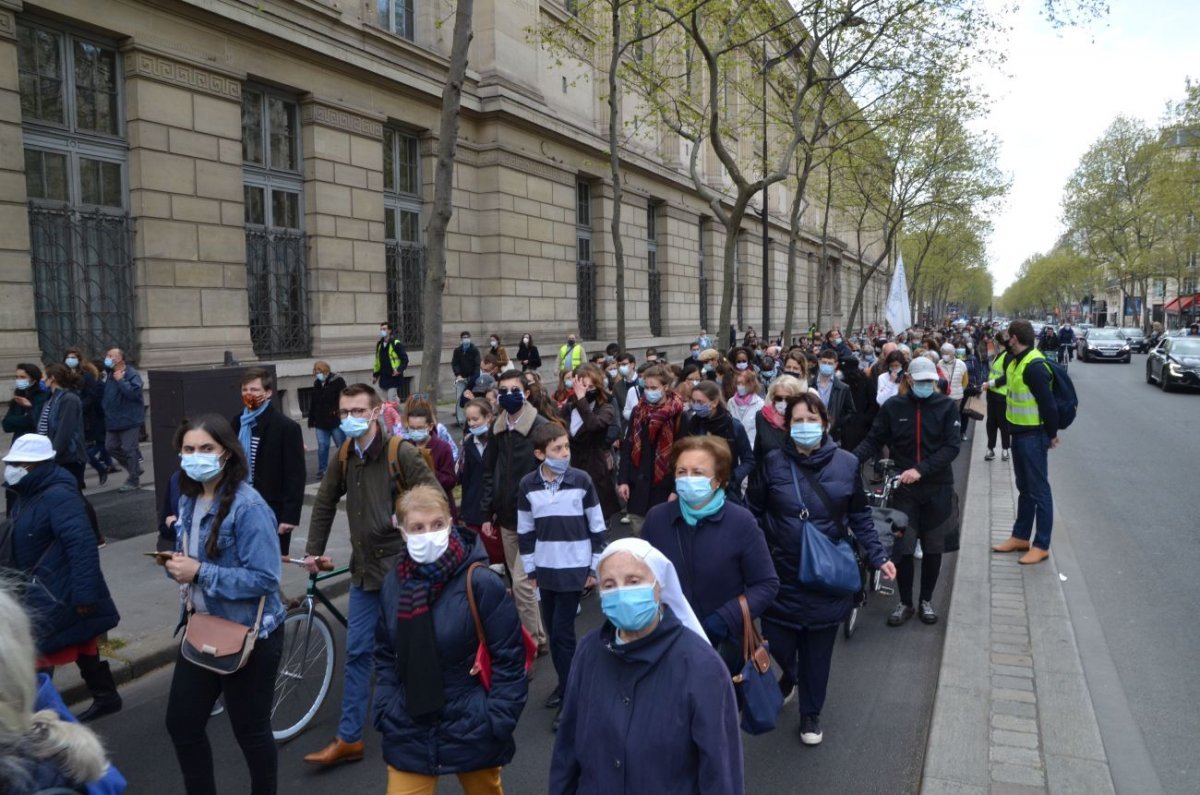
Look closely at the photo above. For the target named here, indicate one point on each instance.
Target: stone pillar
(501, 47)
(343, 216)
(185, 191)
(679, 263)
(18, 326)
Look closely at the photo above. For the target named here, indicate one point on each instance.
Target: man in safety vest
(391, 360)
(1032, 416)
(571, 355)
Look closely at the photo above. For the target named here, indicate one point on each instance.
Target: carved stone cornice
(526, 164)
(314, 111)
(8, 24)
(155, 66)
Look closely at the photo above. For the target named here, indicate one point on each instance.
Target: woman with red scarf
(645, 478)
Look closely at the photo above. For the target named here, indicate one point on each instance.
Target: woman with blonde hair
(439, 712)
(41, 745)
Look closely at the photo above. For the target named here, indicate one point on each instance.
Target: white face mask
(781, 406)
(428, 547)
(13, 475)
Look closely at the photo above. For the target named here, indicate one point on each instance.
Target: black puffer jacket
(323, 410)
(921, 434)
(474, 730)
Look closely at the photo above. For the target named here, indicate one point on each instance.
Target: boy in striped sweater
(560, 532)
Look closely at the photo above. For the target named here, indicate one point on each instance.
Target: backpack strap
(344, 457)
(473, 604)
(393, 462)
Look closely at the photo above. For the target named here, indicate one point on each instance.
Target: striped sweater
(560, 529)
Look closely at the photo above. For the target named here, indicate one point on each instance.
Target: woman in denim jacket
(227, 553)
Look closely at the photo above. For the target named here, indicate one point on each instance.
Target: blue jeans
(1030, 452)
(360, 651)
(337, 436)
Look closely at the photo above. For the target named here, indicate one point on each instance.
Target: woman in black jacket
(323, 412)
(528, 356)
(91, 392)
(475, 442)
(709, 417)
(591, 420)
(438, 712)
(810, 473)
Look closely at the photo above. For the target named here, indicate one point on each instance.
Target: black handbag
(761, 698)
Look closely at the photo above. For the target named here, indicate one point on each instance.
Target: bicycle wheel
(305, 672)
(850, 624)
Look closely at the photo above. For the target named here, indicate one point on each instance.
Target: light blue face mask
(702, 410)
(72, 362)
(355, 427)
(923, 389)
(826, 369)
(321, 377)
(630, 608)
(807, 434)
(418, 436)
(21, 383)
(694, 489)
(479, 430)
(201, 467)
(558, 465)
(653, 395)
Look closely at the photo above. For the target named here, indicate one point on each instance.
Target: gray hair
(43, 736)
(789, 383)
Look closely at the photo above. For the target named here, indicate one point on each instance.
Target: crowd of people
(678, 492)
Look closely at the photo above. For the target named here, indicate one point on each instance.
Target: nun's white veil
(664, 573)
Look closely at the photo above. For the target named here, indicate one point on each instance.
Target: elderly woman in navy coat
(54, 544)
(649, 706)
(801, 624)
(716, 546)
(432, 707)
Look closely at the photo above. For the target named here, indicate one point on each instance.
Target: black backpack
(1065, 396)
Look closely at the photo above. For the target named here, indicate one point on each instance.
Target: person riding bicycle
(363, 472)
(1049, 340)
(1066, 343)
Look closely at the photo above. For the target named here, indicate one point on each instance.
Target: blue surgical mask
(623, 370)
(653, 395)
(694, 489)
(418, 436)
(923, 389)
(807, 434)
(701, 410)
(108, 362)
(695, 354)
(743, 390)
(558, 465)
(355, 427)
(630, 608)
(466, 343)
(837, 341)
(641, 382)
(479, 430)
(960, 352)
(569, 383)
(321, 377)
(72, 362)
(201, 467)
(826, 369)
(22, 383)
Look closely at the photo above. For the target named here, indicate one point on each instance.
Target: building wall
(525, 142)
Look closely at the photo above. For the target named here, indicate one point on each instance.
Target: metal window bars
(585, 297)
(406, 291)
(277, 291)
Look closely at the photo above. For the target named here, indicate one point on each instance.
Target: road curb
(1012, 709)
(140, 659)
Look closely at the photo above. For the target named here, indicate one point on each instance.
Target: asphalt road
(1125, 485)
(876, 723)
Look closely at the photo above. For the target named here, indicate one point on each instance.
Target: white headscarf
(671, 593)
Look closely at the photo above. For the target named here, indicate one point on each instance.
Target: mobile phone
(161, 557)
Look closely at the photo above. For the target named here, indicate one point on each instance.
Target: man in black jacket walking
(465, 365)
(274, 445)
(921, 428)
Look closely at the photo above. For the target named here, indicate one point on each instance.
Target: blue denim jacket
(247, 565)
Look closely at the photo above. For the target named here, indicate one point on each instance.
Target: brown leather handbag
(217, 644)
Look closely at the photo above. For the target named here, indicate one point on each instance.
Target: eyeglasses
(357, 413)
(512, 390)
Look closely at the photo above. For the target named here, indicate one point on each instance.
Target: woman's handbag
(827, 565)
(761, 698)
(217, 644)
(483, 656)
(975, 407)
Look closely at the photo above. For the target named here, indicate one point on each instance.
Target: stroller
(889, 524)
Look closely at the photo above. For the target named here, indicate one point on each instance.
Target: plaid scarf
(660, 420)
(417, 662)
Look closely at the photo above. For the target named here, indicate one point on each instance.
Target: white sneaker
(625, 519)
(1003, 455)
(919, 553)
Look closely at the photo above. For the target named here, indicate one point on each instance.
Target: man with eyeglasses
(363, 475)
(508, 458)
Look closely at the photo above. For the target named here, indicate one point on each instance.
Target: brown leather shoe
(337, 752)
(1034, 555)
(1013, 544)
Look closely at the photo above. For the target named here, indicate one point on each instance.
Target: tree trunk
(733, 224)
(443, 202)
(614, 161)
(822, 260)
(796, 216)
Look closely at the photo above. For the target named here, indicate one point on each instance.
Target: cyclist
(363, 473)
(921, 428)
(1066, 343)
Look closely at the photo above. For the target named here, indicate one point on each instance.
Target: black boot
(99, 680)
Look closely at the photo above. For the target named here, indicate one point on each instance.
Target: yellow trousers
(477, 782)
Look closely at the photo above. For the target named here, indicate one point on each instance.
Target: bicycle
(309, 656)
(884, 516)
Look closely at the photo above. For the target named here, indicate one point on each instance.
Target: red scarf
(660, 418)
(772, 416)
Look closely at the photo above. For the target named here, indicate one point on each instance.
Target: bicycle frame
(314, 591)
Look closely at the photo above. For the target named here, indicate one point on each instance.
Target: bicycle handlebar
(323, 563)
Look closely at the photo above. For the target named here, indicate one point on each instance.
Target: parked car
(1175, 362)
(1138, 342)
(1104, 344)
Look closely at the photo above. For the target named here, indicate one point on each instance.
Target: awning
(1181, 303)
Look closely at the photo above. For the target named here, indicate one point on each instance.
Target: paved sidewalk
(1013, 713)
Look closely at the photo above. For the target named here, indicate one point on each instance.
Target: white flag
(899, 314)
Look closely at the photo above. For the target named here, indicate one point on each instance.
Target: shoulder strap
(393, 462)
(473, 605)
(344, 456)
(822, 495)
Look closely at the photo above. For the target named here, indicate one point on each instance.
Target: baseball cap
(921, 369)
(29, 449)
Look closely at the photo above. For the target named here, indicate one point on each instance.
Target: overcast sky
(1057, 94)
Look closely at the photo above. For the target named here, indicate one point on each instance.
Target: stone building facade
(184, 178)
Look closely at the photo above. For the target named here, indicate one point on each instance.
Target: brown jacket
(370, 492)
